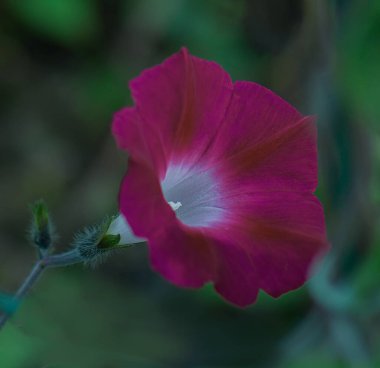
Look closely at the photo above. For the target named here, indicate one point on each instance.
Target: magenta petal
(127, 127)
(269, 242)
(236, 279)
(141, 201)
(183, 256)
(283, 232)
(186, 98)
(265, 143)
(254, 116)
(290, 236)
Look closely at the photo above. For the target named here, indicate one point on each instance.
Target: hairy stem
(57, 260)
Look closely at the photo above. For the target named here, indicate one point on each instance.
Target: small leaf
(109, 241)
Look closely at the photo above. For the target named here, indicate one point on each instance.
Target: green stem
(57, 260)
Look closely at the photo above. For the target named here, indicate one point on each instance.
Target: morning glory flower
(220, 181)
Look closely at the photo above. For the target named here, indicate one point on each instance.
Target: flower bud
(93, 243)
(41, 228)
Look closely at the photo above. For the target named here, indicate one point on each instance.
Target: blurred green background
(64, 70)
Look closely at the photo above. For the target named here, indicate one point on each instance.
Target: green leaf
(359, 53)
(98, 91)
(18, 349)
(65, 21)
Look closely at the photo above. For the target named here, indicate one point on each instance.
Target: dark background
(64, 70)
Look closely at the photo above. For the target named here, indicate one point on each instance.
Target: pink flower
(220, 181)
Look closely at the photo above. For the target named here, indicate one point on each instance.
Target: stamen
(175, 205)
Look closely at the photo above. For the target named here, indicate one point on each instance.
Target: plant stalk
(50, 261)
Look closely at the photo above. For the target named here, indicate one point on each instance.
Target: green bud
(41, 229)
(93, 243)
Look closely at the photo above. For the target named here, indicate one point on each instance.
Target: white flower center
(193, 194)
